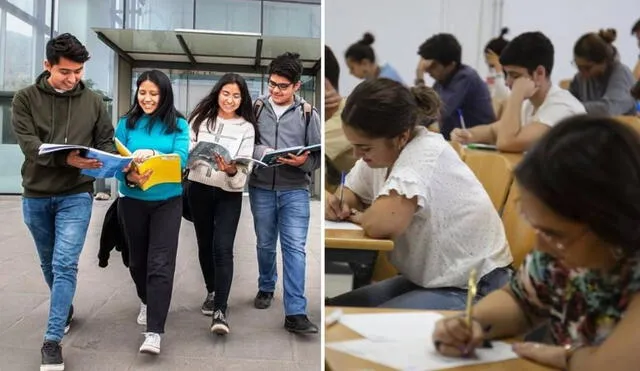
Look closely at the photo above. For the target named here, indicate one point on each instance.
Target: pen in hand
(342, 178)
(462, 123)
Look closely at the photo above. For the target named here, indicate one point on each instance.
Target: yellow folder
(166, 168)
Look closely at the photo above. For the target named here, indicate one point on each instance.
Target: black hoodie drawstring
(66, 130)
(53, 119)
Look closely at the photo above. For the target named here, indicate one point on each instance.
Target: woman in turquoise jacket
(151, 218)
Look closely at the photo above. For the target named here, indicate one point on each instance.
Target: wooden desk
(352, 239)
(512, 158)
(338, 361)
(353, 247)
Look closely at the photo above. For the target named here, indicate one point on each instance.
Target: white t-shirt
(558, 105)
(455, 227)
(278, 109)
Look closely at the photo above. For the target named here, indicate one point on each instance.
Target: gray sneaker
(219, 324)
(207, 306)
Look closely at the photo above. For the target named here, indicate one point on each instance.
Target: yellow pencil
(471, 294)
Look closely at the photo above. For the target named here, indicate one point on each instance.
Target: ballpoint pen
(462, 124)
(471, 294)
(342, 178)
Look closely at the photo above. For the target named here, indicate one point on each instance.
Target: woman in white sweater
(225, 117)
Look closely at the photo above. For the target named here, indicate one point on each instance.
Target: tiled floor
(105, 335)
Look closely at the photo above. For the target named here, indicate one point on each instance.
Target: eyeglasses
(281, 86)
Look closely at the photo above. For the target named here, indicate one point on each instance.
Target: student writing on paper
(59, 108)
(409, 185)
(603, 82)
(458, 85)
(583, 277)
(225, 115)
(279, 196)
(151, 218)
(534, 105)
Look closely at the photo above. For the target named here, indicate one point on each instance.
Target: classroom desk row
(338, 361)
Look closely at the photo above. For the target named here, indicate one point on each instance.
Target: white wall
(401, 26)
(566, 20)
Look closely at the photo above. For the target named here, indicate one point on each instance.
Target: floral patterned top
(583, 305)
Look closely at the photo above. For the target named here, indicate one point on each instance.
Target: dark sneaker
(67, 325)
(299, 324)
(207, 306)
(263, 300)
(219, 323)
(51, 356)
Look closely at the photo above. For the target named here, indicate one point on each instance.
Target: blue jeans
(59, 226)
(399, 292)
(285, 213)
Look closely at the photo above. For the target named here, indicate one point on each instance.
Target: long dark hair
(165, 112)
(207, 108)
(587, 169)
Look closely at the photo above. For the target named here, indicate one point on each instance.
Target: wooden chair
(459, 148)
(383, 268)
(632, 121)
(494, 173)
(520, 235)
(565, 84)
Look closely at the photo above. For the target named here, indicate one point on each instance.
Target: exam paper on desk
(418, 355)
(328, 224)
(403, 326)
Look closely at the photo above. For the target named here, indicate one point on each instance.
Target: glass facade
(26, 26)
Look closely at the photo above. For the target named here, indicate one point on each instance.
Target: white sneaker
(142, 316)
(151, 344)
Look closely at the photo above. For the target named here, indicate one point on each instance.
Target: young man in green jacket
(57, 198)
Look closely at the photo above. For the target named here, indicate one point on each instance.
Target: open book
(111, 163)
(271, 158)
(203, 154)
(166, 167)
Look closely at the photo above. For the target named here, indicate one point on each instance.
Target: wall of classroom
(400, 31)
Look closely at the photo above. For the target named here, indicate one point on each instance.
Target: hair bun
(367, 39)
(428, 101)
(504, 31)
(608, 35)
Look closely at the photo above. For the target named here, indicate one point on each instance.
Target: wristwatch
(129, 183)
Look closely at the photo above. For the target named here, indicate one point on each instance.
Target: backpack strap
(257, 108)
(306, 108)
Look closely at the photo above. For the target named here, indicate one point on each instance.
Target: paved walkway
(105, 335)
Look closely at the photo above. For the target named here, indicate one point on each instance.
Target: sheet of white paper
(417, 355)
(328, 224)
(393, 326)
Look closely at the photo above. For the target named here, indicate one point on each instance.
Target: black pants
(152, 229)
(216, 214)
